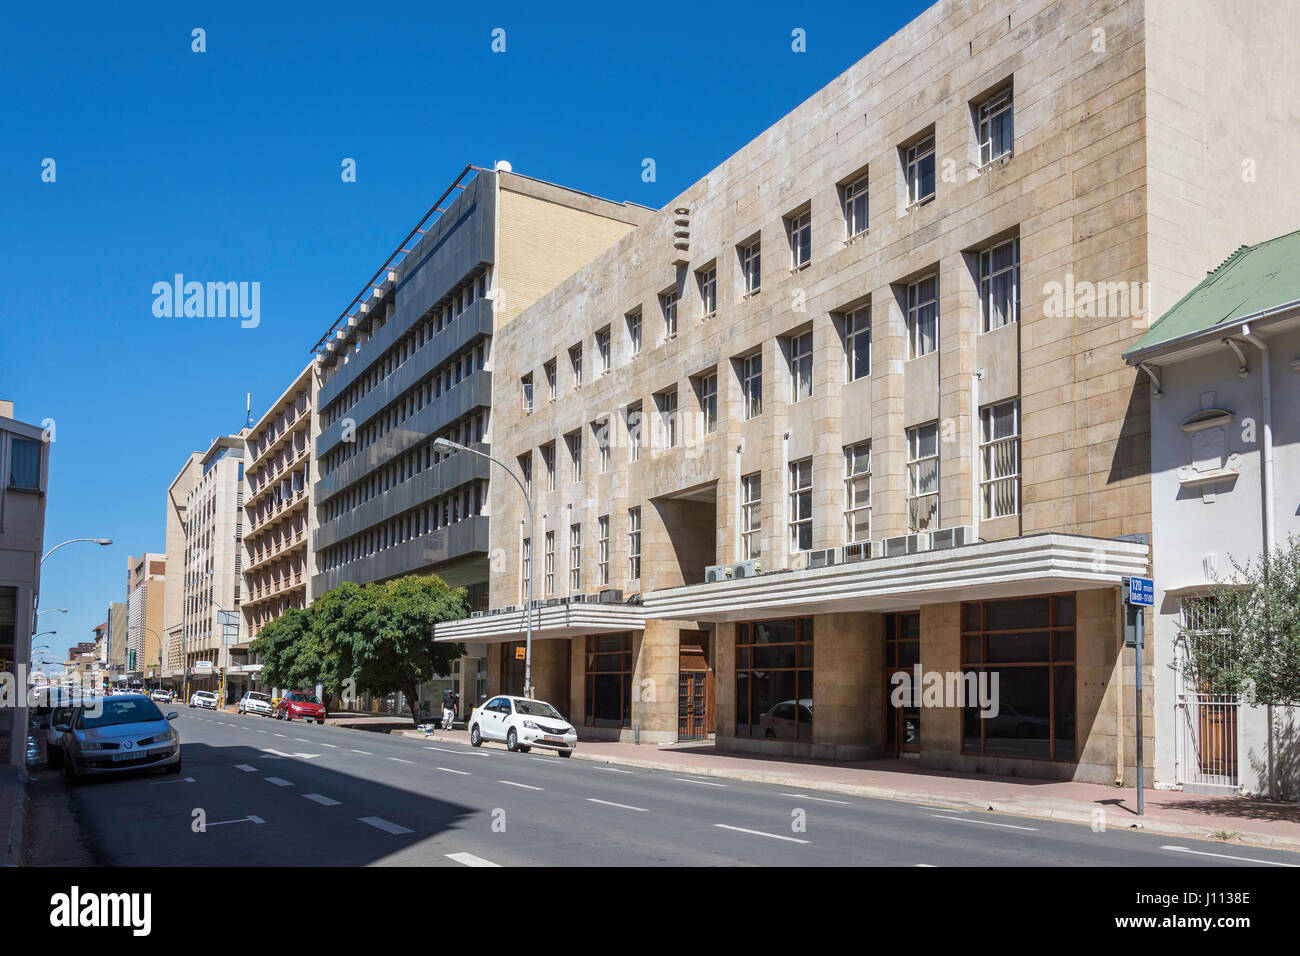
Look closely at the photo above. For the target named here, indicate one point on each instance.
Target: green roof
(1251, 280)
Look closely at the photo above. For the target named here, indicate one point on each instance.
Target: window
(923, 477)
(708, 391)
(774, 679)
(548, 459)
(668, 303)
(601, 430)
(602, 548)
(799, 230)
(634, 431)
(1000, 459)
(634, 543)
(25, 463)
(667, 404)
(549, 567)
(751, 266)
(857, 343)
(708, 280)
(995, 126)
(751, 384)
(526, 472)
(527, 387)
(801, 367)
(1029, 644)
(574, 441)
(526, 561)
(602, 349)
(800, 505)
(751, 517)
(575, 360)
(634, 331)
(549, 370)
(919, 167)
(1000, 284)
(923, 317)
(857, 493)
(575, 558)
(854, 198)
(609, 680)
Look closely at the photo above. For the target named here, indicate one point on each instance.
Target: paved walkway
(10, 812)
(1247, 819)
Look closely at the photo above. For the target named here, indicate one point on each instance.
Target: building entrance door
(902, 638)
(695, 705)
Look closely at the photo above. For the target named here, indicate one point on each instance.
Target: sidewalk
(1249, 820)
(12, 791)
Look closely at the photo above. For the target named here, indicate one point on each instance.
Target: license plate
(129, 756)
(555, 738)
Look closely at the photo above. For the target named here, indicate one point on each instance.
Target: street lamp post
(446, 445)
(99, 541)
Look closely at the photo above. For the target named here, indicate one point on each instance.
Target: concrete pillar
(941, 727)
(654, 681)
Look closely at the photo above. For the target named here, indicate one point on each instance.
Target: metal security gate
(692, 705)
(1207, 726)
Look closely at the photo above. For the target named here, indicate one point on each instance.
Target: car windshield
(206, 695)
(261, 697)
(304, 698)
(113, 712)
(537, 708)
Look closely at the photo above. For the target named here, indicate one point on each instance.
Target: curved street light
(99, 541)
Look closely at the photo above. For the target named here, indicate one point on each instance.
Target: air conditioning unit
(824, 558)
(478, 613)
(510, 609)
(555, 602)
(583, 598)
(905, 544)
(860, 551)
(747, 569)
(953, 537)
(611, 596)
(717, 572)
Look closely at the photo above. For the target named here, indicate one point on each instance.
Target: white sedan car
(523, 724)
(204, 699)
(255, 703)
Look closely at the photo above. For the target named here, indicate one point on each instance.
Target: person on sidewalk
(448, 709)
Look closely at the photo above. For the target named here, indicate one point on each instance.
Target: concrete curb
(18, 825)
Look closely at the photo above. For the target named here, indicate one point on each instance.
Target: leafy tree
(283, 644)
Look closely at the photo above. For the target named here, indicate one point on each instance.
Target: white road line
(331, 746)
(366, 752)
(702, 783)
(381, 824)
(279, 735)
(323, 801)
(278, 781)
(1225, 856)
(621, 806)
(248, 819)
(808, 796)
(401, 760)
(615, 770)
(263, 731)
(463, 773)
(302, 740)
(770, 836)
(469, 859)
(245, 767)
(928, 866)
(181, 780)
(444, 750)
(987, 823)
(942, 809)
(526, 786)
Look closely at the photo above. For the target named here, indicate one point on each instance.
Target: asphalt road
(296, 794)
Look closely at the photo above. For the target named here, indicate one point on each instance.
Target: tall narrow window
(548, 459)
(574, 441)
(575, 360)
(526, 563)
(801, 367)
(600, 430)
(923, 477)
(923, 317)
(634, 431)
(1000, 459)
(634, 331)
(919, 165)
(857, 343)
(995, 125)
(708, 388)
(667, 402)
(549, 370)
(668, 304)
(708, 280)
(634, 543)
(526, 472)
(751, 517)
(857, 493)
(575, 558)
(602, 349)
(751, 266)
(1000, 284)
(799, 230)
(751, 384)
(800, 517)
(602, 546)
(549, 568)
(854, 197)
(527, 388)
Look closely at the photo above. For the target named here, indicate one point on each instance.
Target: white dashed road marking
(987, 823)
(381, 824)
(463, 773)
(1225, 856)
(278, 781)
(621, 806)
(525, 786)
(469, 859)
(245, 767)
(323, 801)
(770, 836)
(702, 783)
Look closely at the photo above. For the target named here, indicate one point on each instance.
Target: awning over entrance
(1014, 567)
(561, 620)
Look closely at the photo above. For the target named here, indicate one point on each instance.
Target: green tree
(283, 644)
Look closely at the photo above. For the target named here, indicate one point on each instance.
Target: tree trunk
(413, 702)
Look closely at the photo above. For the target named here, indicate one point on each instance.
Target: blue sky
(225, 165)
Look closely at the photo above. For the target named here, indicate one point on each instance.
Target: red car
(299, 703)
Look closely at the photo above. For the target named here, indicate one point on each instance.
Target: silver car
(121, 732)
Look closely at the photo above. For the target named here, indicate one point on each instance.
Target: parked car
(160, 696)
(780, 721)
(128, 732)
(204, 699)
(255, 703)
(523, 724)
(60, 719)
(298, 703)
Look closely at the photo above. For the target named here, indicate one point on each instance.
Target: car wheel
(565, 753)
(512, 741)
(475, 738)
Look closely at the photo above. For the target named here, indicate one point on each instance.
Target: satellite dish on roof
(503, 166)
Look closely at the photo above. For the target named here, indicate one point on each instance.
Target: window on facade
(918, 162)
(609, 680)
(1030, 645)
(575, 558)
(600, 430)
(634, 431)
(602, 549)
(751, 517)
(668, 304)
(549, 567)
(602, 349)
(708, 281)
(667, 405)
(1000, 284)
(923, 317)
(574, 442)
(575, 361)
(549, 370)
(857, 343)
(1000, 459)
(774, 679)
(526, 386)
(857, 493)
(24, 463)
(751, 266)
(634, 331)
(634, 543)
(751, 384)
(801, 366)
(526, 471)
(799, 231)
(995, 126)
(707, 386)
(526, 564)
(548, 460)
(923, 477)
(800, 517)
(854, 198)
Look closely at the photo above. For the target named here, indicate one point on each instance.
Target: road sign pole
(1138, 658)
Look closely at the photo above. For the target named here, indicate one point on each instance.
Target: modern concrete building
(24, 479)
(1224, 370)
(411, 361)
(177, 523)
(145, 582)
(853, 411)
(115, 640)
(213, 573)
(278, 554)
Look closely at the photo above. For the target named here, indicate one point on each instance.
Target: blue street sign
(1142, 592)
